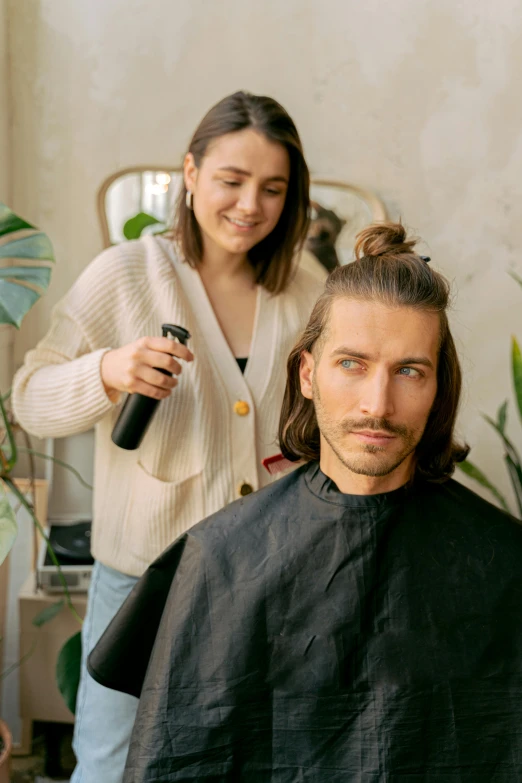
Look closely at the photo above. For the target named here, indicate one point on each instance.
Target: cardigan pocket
(171, 507)
(175, 448)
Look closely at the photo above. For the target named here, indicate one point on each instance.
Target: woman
(227, 273)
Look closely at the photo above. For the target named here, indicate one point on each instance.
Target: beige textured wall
(4, 104)
(417, 99)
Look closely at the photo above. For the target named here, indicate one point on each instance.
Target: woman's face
(239, 190)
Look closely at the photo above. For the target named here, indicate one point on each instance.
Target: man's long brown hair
(386, 270)
(273, 258)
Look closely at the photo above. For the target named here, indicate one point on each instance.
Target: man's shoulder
(474, 512)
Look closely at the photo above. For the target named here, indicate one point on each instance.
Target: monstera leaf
(26, 255)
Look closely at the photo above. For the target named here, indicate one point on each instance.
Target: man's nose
(377, 396)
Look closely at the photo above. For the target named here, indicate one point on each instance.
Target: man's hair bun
(382, 239)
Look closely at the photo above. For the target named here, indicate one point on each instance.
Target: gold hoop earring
(188, 199)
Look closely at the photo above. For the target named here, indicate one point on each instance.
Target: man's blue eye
(409, 372)
(346, 362)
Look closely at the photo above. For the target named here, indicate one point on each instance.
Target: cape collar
(326, 489)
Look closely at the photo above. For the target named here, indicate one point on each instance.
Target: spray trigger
(174, 332)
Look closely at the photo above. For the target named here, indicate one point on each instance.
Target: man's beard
(367, 462)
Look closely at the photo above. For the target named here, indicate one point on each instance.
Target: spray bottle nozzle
(175, 332)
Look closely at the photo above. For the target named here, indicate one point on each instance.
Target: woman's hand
(132, 368)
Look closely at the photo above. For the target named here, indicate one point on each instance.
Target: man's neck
(350, 483)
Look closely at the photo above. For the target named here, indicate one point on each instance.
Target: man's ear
(190, 172)
(306, 374)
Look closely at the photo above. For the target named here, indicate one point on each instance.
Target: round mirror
(140, 200)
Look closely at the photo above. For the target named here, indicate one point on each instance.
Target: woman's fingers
(141, 387)
(154, 377)
(134, 367)
(166, 346)
(162, 360)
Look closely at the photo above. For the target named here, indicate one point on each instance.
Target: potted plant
(26, 256)
(512, 458)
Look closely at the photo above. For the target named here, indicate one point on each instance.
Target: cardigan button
(245, 489)
(242, 408)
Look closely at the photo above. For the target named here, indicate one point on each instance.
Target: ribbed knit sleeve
(59, 391)
(55, 395)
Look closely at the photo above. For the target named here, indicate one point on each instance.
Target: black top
(309, 635)
(242, 363)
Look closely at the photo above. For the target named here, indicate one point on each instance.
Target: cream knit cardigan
(197, 450)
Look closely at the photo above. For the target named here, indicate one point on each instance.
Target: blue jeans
(104, 718)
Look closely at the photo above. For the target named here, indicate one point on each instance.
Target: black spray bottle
(138, 409)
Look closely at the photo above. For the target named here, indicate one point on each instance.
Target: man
(360, 619)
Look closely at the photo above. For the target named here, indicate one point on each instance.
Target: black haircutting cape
(304, 635)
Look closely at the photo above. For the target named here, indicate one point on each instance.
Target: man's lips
(373, 437)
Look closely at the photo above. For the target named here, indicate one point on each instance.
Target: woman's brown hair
(386, 270)
(272, 258)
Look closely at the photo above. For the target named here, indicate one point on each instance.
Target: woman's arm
(59, 390)
(77, 373)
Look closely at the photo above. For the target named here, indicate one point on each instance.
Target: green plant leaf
(515, 474)
(48, 614)
(21, 285)
(15, 302)
(515, 277)
(133, 228)
(9, 222)
(10, 461)
(516, 359)
(8, 526)
(35, 246)
(68, 670)
(476, 474)
(32, 275)
(502, 417)
(512, 461)
(510, 449)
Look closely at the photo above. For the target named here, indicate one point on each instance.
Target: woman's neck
(217, 264)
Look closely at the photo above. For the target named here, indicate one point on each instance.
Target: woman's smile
(242, 225)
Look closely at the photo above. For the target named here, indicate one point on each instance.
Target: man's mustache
(376, 425)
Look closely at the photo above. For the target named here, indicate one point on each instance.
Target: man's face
(373, 381)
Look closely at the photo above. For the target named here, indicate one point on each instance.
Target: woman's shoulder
(307, 262)
(130, 256)
(306, 283)
(127, 262)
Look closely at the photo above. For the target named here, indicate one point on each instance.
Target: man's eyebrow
(235, 170)
(417, 360)
(356, 354)
(345, 350)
